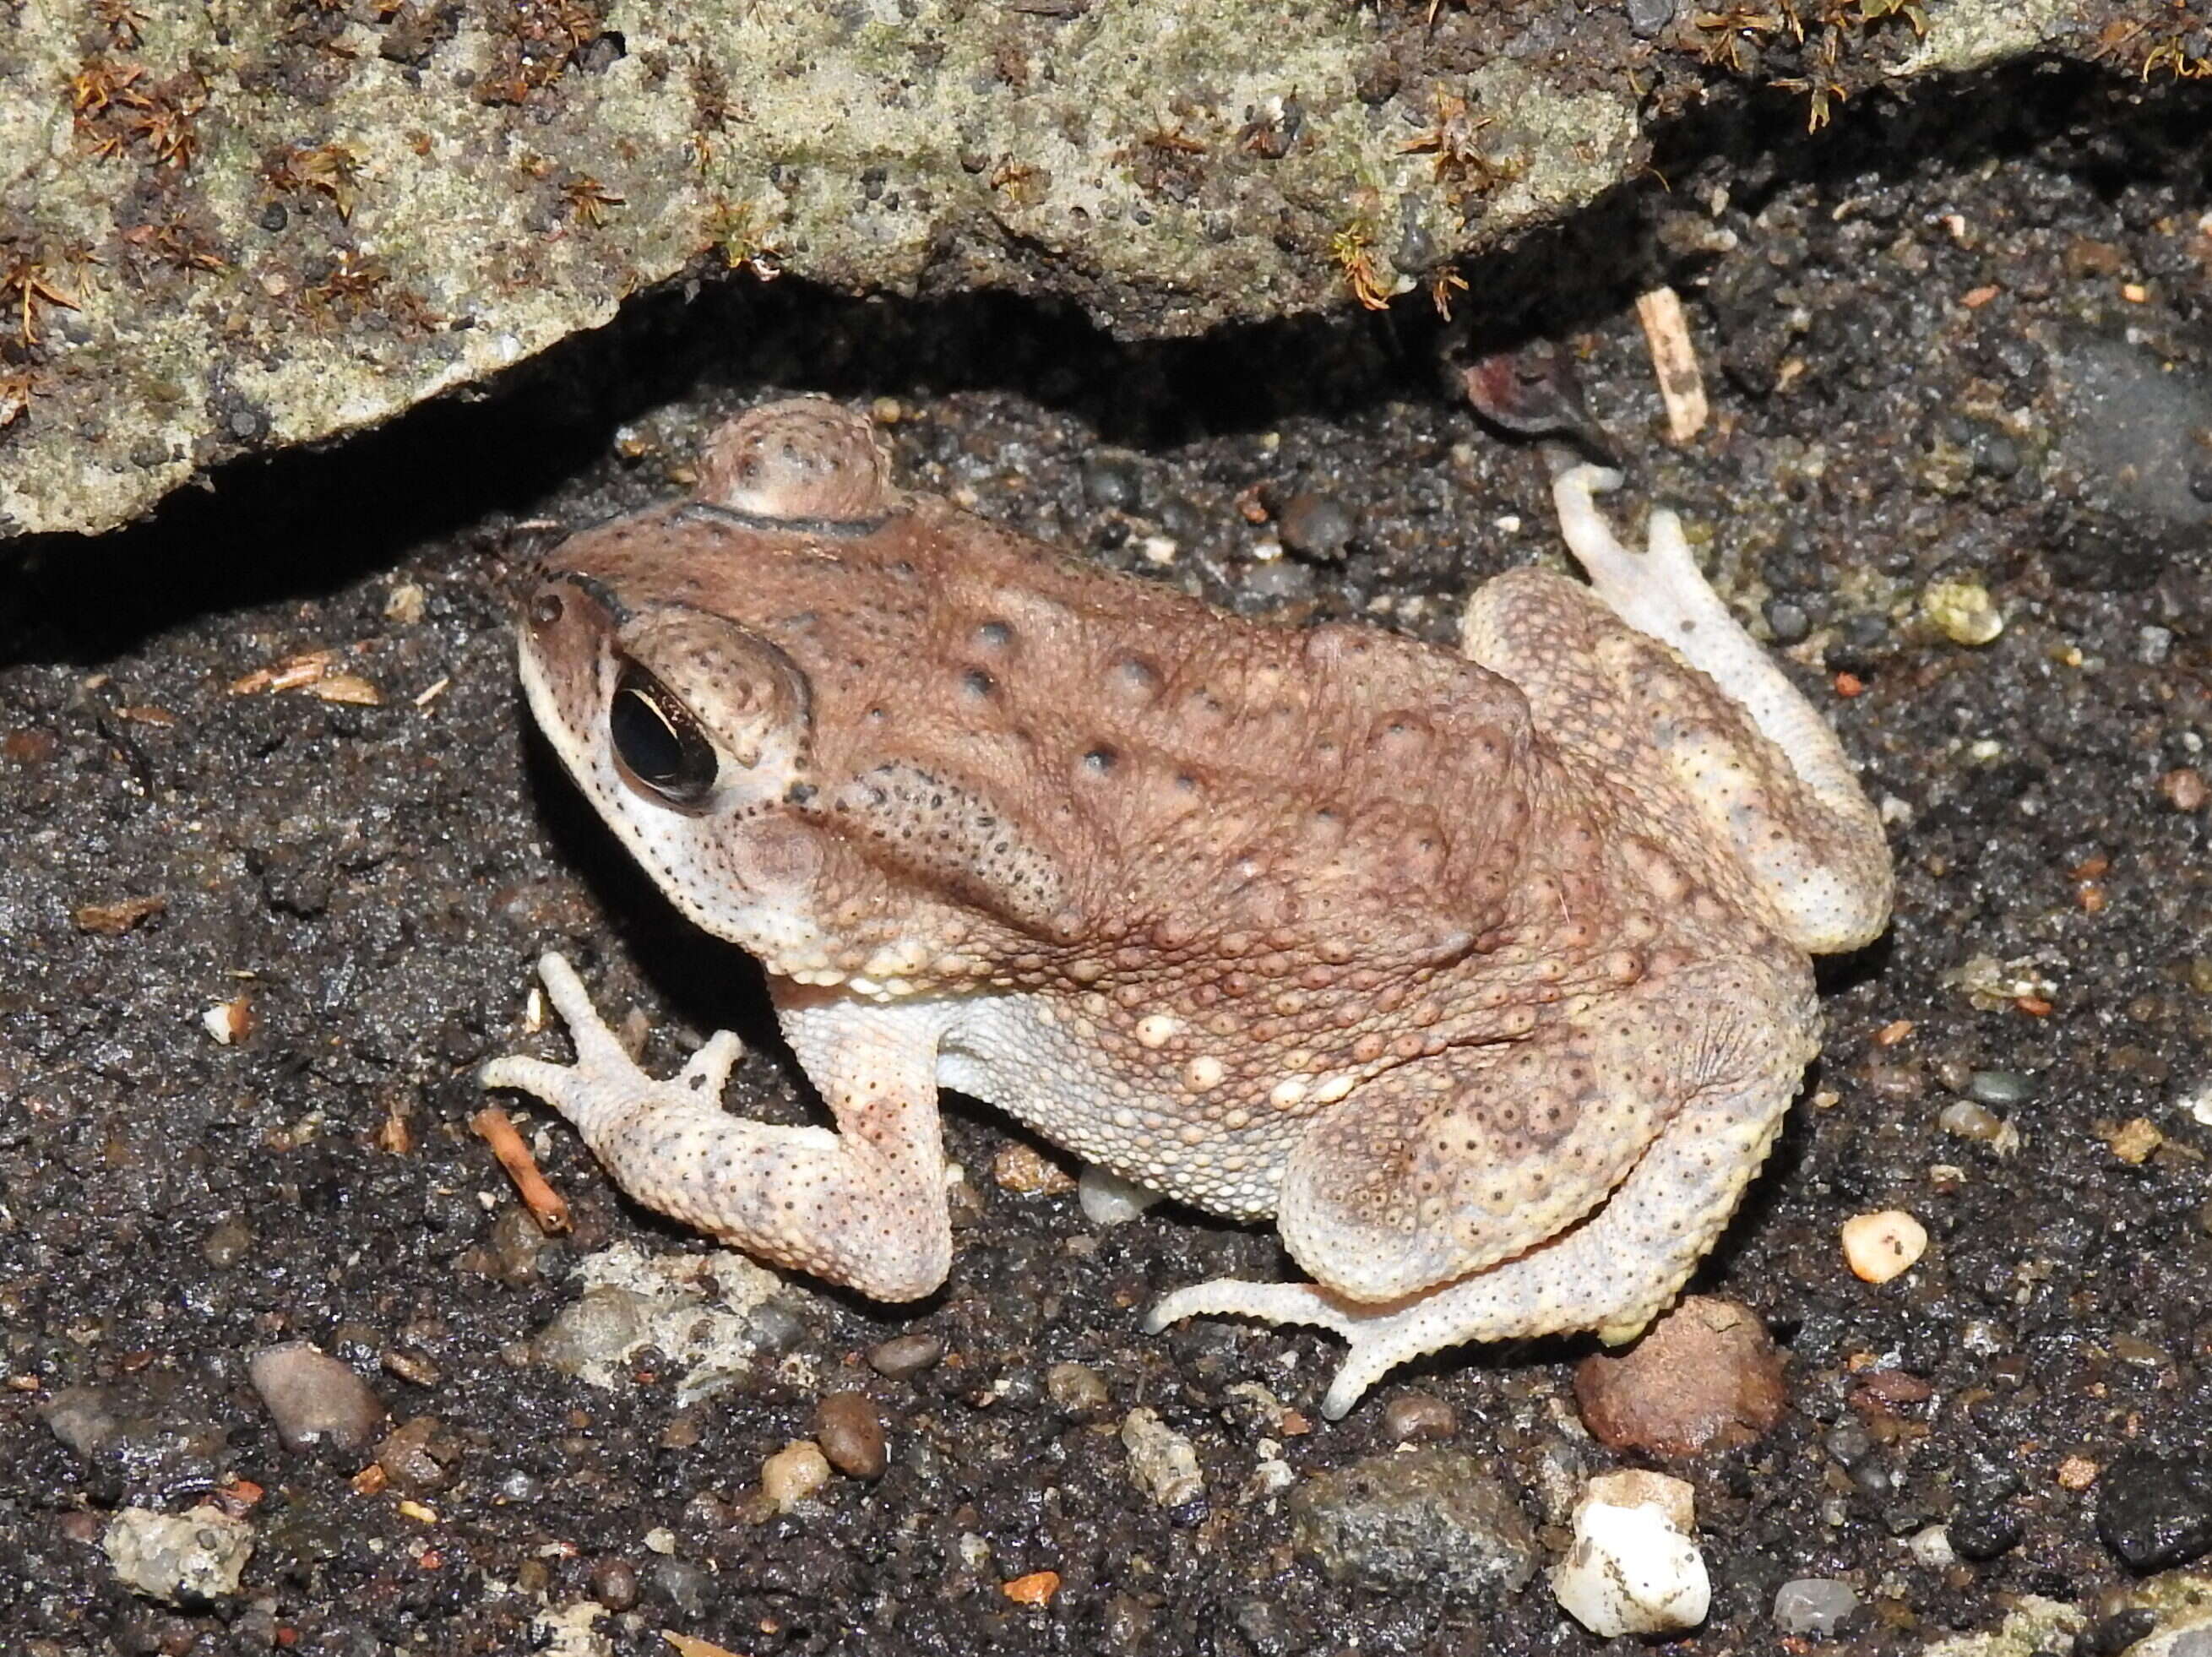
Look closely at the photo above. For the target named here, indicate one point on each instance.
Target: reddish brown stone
(1705, 1377)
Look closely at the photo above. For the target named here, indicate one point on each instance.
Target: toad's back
(1175, 766)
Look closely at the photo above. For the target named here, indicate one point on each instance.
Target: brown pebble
(904, 1356)
(1077, 1388)
(851, 1434)
(2185, 788)
(417, 1458)
(614, 1584)
(1705, 1377)
(1415, 1418)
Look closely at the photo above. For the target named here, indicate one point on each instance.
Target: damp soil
(1963, 342)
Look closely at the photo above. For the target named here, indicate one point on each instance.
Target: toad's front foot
(605, 1082)
(866, 1209)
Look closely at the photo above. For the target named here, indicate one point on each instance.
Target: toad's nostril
(545, 609)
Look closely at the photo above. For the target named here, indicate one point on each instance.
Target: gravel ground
(1950, 349)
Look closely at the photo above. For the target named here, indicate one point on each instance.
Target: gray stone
(1814, 1605)
(314, 1400)
(1431, 1516)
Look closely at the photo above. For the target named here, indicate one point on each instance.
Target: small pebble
(1706, 1377)
(1109, 1200)
(314, 1400)
(229, 1242)
(851, 1434)
(795, 1473)
(1076, 1388)
(2185, 788)
(1814, 1605)
(904, 1356)
(1317, 526)
(614, 1584)
(179, 1559)
(2134, 1140)
(1880, 1247)
(1962, 609)
(2155, 1511)
(417, 1458)
(1965, 1120)
(1431, 1519)
(1112, 482)
(1999, 1087)
(1162, 1458)
(1633, 1568)
(1787, 620)
(1035, 1589)
(1415, 1417)
(1931, 1546)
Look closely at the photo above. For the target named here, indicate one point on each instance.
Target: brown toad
(1485, 978)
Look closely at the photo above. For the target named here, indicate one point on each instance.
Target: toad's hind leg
(1754, 757)
(864, 1207)
(1723, 1056)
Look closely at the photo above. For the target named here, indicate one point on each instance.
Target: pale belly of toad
(1019, 1053)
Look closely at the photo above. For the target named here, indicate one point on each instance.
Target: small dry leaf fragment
(1035, 1589)
(303, 668)
(349, 688)
(229, 1021)
(2134, 1140)
(113, 920)
(689, 1646)
(1880, 1247)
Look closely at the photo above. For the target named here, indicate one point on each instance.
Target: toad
(1484, 976)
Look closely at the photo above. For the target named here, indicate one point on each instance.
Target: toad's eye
(659, 744)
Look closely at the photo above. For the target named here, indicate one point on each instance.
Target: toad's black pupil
(659, 741)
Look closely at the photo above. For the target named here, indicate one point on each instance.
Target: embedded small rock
(2155, 1511)
(1705, 1377)
(316, 1401)
(1880, 1247)
(1633, 1568)
(1814, 1605)
(851, 1435)
(795, 1473)
(1108, 1199)
(1432, 1517)
(185, 1559)
(1162, 1458)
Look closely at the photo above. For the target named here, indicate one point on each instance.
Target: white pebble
(793, 1474)
(181, 1560)
(1109, 1200)
(1931, 1546)
(1633, 1568)
(1814, 1605)
(1880, 1247)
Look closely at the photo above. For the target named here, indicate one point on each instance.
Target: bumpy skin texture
(1487, 978)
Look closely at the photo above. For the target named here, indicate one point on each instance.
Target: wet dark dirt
(1928, 338)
